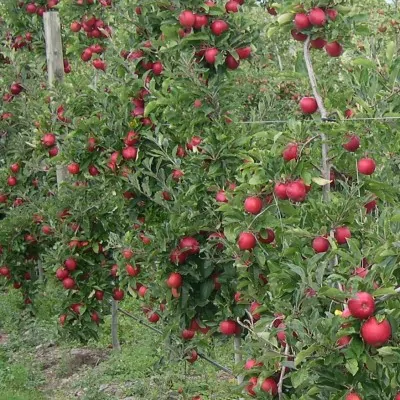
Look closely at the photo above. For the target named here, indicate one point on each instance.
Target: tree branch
(326, 170)
(282, 376)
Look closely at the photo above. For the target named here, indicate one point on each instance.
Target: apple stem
(282, 376)
(325, 148)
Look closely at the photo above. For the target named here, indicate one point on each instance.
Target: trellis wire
(200, 354)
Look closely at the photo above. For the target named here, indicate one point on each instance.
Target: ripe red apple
(62, 273)
(301, 21)
(187, 19)
(228, 327)
(31, 8)
(280, 191)
(99, 64)
(127, 254)
(15, 168)
(99, 295)
(353, 396)
(47, 230)
(308, 105)
(75, 26)
(251, 385)
(231, 62)
(269, 386)
(70, 264)
(317, 17)
(188, 334)
(244, 52)
(95, 317)
(267, 236)
(62, 319)
(281, 334)
(200, 21)
(331, 13)
(252, 364)
(4, 271)
(210, 55)
(253, 308)
(86, 55)
(132, 270)
(296, 191)
(157, 68)
(375, 333)
(318, 43)
(232, 6)
(343, 341)
(68, 283)
(12, 181)
(342, 233)
(197, 103)
(130, 153)
(352, 144)
(189, 245)
(178, 256)
(175, 280)
(219, 26)
(93, 171)
(320, 244)
(334, 49)
(366, 166)
(221, 197)
(290, 152)
(397, 396)
(131, 138)
(192, 357)
(246, 241)
(300, 37)
(118, 294)
(49, 140)
(362, 305)
(253, 205)
(370, 206)
(177, 175)
(153, 317)
(73, 168)
(180, 152)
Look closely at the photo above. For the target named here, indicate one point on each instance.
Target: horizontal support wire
(201, 355)
(285, 121)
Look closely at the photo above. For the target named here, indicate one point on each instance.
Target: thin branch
(326, 170)
(282, 376)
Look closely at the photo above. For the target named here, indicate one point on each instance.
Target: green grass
(144, 368)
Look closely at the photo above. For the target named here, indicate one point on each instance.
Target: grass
(143, 368)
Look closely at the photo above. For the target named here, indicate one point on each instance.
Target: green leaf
(391, 47)
(384, 291)
(320, 181)
(285, 18)
(303, 354)
(352, 366)
(206, 289)
(364, 62)
(298, 377)
(332, 293)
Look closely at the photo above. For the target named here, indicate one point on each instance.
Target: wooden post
(55, 64)
(114, 325)
(238, 355)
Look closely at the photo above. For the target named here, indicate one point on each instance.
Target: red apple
(221, 197)
(268, 236)
(353, 396)
(296, 191)
(231, 62)
(232, 6)
(118, 294)
(219, 26)
(290, 152)
(300, 37)
(301, 21)
(157, 68)
(228, 327)
(362, 305)
(99, 295)
(70, 264)
(129, 153)
(321, 244)
(253, 205)
(375, 333)
(200, 21)
(187, 19)
(175, 280)
(352, 144)
(246, 241)
(188, 334)
(317, 17)
(342, 233)
(73, 168)
(252, 364)
(331, 13)
(318, 43)
(334, 49)
(210, 55)
(308, 105)
(177, 175)
(68, 283)
(269, 386)
(244, 52)
(99, 64)
(178, 256)
(366, 166)
(132, 270)
(12, 181)
(189, 245)
(49, 140)
(280, 191)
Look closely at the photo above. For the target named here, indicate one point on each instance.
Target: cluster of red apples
(193, 22)
(313, 22)
(38, 9)
(15, 89)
